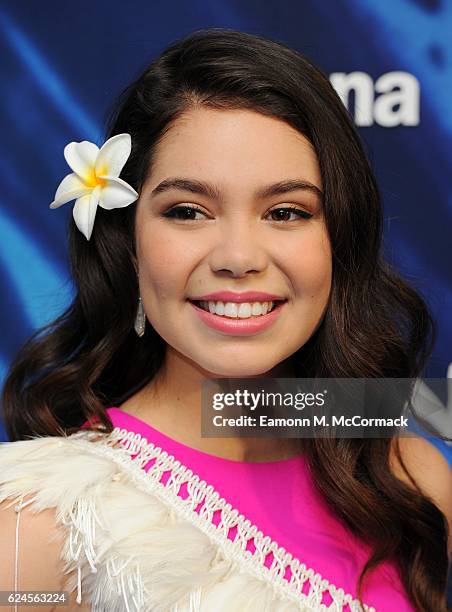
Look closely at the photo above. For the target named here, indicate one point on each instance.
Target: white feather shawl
(138, 545)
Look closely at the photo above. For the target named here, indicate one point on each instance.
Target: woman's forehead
(239, 146)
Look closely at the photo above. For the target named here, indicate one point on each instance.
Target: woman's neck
(171, 403)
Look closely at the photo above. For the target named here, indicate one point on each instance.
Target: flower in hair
(95, 179)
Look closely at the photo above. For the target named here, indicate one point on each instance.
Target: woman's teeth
(234, 310)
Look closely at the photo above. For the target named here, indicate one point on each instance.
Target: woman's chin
(235, 371)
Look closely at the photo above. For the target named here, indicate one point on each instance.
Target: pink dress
(280, 499)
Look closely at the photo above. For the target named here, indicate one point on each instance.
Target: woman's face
(238, 241)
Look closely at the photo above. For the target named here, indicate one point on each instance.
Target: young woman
(253, 186)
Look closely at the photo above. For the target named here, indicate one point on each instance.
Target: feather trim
(146, 541)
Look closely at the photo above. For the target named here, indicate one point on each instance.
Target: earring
(140, 319)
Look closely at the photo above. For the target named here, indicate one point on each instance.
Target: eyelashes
(302, 214)
(173, 213)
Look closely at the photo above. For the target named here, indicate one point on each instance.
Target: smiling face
(238, 240)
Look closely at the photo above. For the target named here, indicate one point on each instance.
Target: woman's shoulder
(75, 498)
(27, 538)
(55, 463)
(43, 482)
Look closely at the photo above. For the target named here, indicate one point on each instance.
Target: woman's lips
(239, 327)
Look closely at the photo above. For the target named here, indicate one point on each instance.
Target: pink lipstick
(238, 326)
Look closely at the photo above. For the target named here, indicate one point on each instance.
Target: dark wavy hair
(375, 324)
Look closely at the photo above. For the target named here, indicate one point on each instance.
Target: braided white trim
(131, 443)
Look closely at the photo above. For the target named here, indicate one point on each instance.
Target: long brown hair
(375, 324)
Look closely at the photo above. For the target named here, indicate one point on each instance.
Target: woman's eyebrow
(211, 191)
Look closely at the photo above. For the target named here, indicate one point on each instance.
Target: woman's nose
(239, 250)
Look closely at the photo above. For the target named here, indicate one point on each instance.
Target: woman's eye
(184, 213)
(288, 210)
(188, 213)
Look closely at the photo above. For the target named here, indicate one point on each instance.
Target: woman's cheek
(311, 267)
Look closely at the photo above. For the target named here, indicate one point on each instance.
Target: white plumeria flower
(95, 179)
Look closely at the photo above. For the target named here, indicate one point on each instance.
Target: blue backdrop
(64, 62)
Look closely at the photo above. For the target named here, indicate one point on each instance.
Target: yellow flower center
(92, 180)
